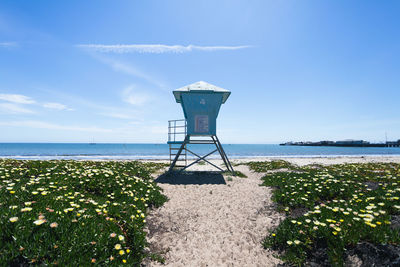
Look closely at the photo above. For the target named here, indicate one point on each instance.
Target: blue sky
(77, 71)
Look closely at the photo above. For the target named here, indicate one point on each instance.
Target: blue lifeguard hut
(200, 102)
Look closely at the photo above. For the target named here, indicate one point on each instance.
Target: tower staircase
(176, 137)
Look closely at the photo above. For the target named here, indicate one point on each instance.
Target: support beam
(214, 140)
(228, 163)
(202, 158)
(220, 152)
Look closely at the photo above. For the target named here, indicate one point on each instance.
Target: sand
(215, 220)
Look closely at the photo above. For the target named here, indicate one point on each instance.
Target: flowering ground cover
(74, 212)
(264, 166)
(336, 208)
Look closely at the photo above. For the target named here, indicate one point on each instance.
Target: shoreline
(330, 159)
(166, 158)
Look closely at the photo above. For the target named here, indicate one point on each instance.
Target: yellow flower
(128, 250)
(289, 242)
(334, 233)
(117, 246)
(121, 237)
(13, 219)
(297, 242)
(121, 252)
(26, 209)
(12, 192)
(35, 192)
(124, 261)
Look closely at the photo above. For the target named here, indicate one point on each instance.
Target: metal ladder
(176, 136)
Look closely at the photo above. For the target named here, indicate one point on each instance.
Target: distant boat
(92, 143)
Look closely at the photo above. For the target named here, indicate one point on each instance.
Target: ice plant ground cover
(264, 166)
(340, 207)
(75, 212)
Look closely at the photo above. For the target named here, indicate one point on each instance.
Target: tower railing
(177, 130)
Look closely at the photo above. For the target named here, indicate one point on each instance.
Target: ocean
(82, 151)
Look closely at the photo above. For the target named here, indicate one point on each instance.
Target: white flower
(39, 222)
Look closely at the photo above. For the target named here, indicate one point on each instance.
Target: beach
(201, 217)
(221, 220)
(302, 160)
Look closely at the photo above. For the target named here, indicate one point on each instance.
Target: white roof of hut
(201, 87)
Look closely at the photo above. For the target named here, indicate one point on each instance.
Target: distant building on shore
(345, 143)
(352, 142)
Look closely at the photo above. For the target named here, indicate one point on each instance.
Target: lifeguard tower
(200, 102)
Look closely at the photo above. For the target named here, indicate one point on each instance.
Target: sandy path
(206, 224)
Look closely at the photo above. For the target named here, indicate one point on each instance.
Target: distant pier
(345, 143)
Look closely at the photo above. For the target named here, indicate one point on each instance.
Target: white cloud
(11, 108)
(14, 98)
(132, 96)
(57, 106)
(156, 48)
(130, 70)
(8, 44)
(23, 99)
(52, 126)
